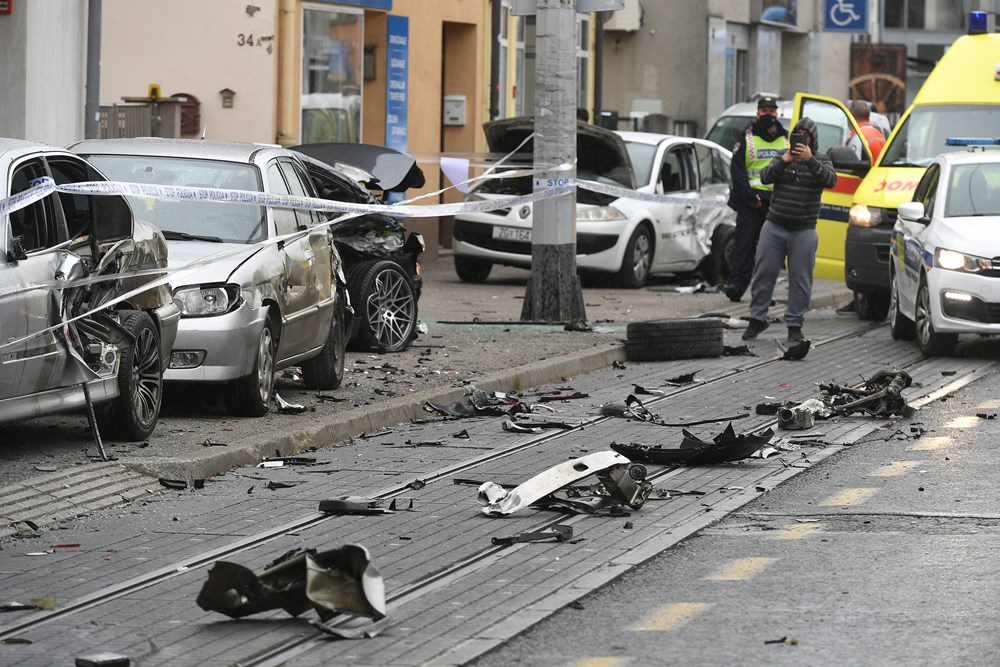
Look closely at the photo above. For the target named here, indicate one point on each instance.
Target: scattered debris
(622, 480)
(639, 389)
(103, 660)
(792, 641)
(46, 468)
(618, 365)
(796, 351)
(737, 351)
(795, 419)
(339, 581)
(725, 447)
(286, 408)
(280, 461)
(685, 378)
(273, 485)
(208, 442)
(17, 606)
(563, 397)
(511, 427)
(559, 532)
(181, 484)
(326, 398)
(462, 435)
(984, 415)
(353, 505)
(880, 396)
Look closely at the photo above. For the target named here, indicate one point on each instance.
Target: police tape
(626, 193)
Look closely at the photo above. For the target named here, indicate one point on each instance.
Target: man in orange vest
(861, 111)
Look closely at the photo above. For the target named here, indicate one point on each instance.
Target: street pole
(92, 103)
(553, 293)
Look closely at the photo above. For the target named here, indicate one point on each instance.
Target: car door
(714, 180)
(910, 244)
(37, 363)
(835, 124)
(676, 221)
(301, 287)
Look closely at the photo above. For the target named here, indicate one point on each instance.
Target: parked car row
(252, 289)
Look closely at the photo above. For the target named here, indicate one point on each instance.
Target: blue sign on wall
(397, 75)
(845, 16)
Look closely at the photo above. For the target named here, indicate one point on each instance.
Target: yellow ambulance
(960, 100)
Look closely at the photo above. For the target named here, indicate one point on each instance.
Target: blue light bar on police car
(971, 141)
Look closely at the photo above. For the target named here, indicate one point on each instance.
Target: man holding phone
(799, 176)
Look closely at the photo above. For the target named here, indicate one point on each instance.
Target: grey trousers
(775, 244)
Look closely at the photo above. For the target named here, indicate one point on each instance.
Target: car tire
(385, 305)
(472, 270)
(931, 343)
(133, 415)
(637, 260)
(658, 340)
(716, 266)
(900, 326)
(326, 369)
(871, 307)
(251, 396)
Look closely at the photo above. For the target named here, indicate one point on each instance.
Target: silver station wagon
(259, 288)
(85, 314)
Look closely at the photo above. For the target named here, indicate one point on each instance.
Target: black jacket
(741, 196)
(798, 185)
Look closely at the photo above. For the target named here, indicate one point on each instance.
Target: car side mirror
(913, 211)
(844, 159)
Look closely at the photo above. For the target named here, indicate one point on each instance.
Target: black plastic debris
(17, 606)
(339, 581)
(103, 660)
(769, 407)
(173, 483)
(618, 365)
(352, 505)
(737, 351)
(326, 398)
(208, 442)
(562, 397)
(638, 410)
(578, 326)
(796, 351)
(559, 532)
(286, 408)
(686, 378)
(273, 485)
(648, 391)
(416, 484)
(725, 447)
(462, 435)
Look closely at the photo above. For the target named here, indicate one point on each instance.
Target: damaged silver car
(77, 326)
(261, 288)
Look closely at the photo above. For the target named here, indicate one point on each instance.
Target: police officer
(764, 139)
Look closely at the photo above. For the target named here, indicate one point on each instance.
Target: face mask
(767, 121)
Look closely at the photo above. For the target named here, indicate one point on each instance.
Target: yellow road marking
(672, 615)
(849, 497)
(933, 442)
(602, 662)
(895, 468)
(963, 422)
(741, 569)
(797, 531)
(993, 404)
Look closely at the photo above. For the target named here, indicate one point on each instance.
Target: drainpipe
(92, 104)
(287, 129)
(497, 14)
(598, 66)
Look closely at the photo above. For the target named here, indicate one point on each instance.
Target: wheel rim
(893, 301)
(640, 257)
(265, 366)
(147, 379)
(390, 309)
(922, 316)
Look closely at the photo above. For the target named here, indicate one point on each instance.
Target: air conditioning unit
(628, 19)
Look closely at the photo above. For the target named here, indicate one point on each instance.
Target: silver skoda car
(259, 288)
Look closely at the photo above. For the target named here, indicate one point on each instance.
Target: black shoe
(848, 309)
(795, 333)
(754, 328)
(733, 294)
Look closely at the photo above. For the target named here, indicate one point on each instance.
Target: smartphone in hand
(798, 140)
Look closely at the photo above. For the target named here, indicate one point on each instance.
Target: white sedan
(630, 237)
(946, 254)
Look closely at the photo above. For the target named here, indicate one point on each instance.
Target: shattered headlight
(205, 300)
(959, 261)
(599, 214)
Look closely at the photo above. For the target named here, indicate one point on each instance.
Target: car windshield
(973, 190)
(191, 220)
(641, 156)
(727, 130)
(923, 135)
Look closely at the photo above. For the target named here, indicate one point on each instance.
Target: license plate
(512, 234)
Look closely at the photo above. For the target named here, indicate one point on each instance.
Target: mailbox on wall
(454, 110)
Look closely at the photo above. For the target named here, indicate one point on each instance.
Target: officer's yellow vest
(759, 152)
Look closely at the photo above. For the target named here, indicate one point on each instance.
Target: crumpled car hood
(395, 171)
(598, 150)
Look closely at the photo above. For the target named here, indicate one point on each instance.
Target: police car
(945, 252)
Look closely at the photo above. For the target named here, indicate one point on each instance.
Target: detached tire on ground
(661, 340)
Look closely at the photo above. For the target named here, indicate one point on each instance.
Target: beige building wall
(199, 48)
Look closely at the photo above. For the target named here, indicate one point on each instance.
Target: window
(296, 181)
(332, 58)
(925, 14)
(76, 207)
(285, 221)
(35, 225)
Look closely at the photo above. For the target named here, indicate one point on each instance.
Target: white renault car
(627, 237)
(945, 271)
